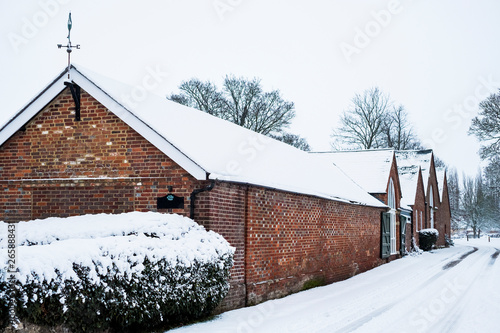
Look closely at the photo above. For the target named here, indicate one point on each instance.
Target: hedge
(131, 285)
(427, 238)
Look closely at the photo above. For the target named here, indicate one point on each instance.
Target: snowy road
(448, 290)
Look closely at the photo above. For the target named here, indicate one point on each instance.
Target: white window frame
(391, 202)
(416, 221)
(431, 205)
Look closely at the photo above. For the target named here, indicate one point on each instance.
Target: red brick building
(421, 192)
(376, 171)
(443, 214)
(91, 145)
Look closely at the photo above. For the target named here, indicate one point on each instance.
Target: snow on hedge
(56, 243)
(429, 231)
(132, 268)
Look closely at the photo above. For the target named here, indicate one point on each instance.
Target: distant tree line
(476, 203)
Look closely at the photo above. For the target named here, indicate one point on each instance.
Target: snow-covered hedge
(117, 271)
(427, 238)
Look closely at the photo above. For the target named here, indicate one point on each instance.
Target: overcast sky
(438, 58)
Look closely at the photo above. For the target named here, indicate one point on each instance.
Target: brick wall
(57, 166)
(290, 239)
(443, 215)
(223, 210)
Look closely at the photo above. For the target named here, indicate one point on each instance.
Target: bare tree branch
(242, 102)
(486, 127)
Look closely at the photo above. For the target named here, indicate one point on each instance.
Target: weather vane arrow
(69, 47)
(70, 24)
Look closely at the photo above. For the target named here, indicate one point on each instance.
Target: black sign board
(169, 201)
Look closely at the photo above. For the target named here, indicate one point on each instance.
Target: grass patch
(313, 283)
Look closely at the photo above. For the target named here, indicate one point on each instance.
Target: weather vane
(69, 47)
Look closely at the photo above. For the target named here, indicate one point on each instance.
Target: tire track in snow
(459, 260)
(337, 316)
(407, 294)
(454, 316)
(378, 294)
(494, 257)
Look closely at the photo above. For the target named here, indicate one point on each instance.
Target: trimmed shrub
(448, 241)
(427, 238)
(4, 303)
(166, 273)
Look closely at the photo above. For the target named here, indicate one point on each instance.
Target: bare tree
(398, 132)
(361, 126)
(240, 101)
(454, 196)
(293, 140)
(492, 175)
(492, 189)
(202, 96)
(480, 209)
(372, 121)
(486, 126)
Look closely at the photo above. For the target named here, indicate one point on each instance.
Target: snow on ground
(447, 290)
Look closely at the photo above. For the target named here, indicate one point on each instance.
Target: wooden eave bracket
(75, 92)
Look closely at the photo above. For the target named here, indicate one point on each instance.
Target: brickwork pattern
(292, 238)
(443, 215)
(223, 210)
(57, 166)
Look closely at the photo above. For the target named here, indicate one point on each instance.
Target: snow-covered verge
(123, 271)
(446, 290)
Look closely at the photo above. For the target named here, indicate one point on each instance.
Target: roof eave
(57, 86)
(31, 109)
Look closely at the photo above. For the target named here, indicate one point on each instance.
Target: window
(416, 220)
(431, 205)
(391, 202)
(403, 220)
(421, 221)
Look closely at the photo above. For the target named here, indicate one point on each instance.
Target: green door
(402, 227)
(385, 244)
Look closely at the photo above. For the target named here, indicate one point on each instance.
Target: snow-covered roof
(369, 168)
(408, 181)
(205, 146)
(409, 162)
(440, 175)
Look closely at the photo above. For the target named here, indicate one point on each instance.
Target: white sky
(438, 58)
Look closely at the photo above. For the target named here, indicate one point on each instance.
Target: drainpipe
(192, 197)
(245, 250)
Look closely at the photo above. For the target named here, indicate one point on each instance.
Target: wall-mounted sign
(170, 201)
